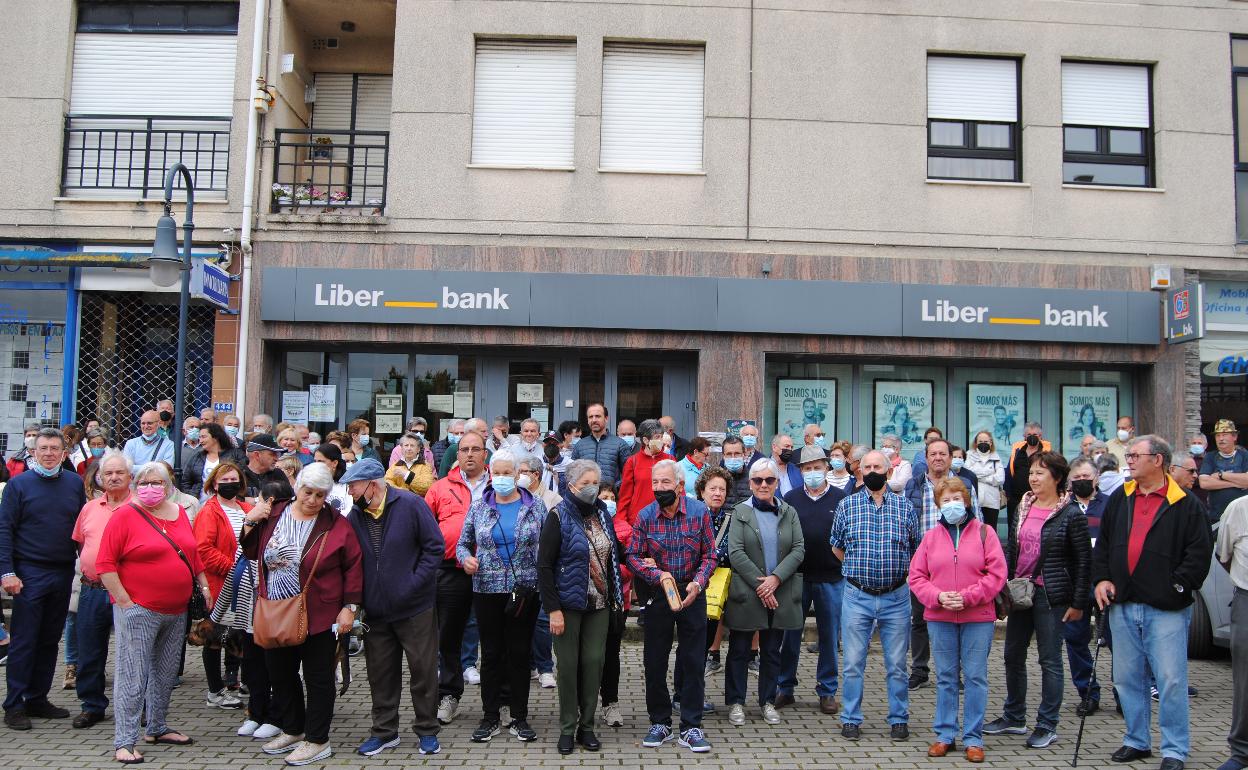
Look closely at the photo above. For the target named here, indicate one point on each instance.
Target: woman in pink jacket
(956, 572)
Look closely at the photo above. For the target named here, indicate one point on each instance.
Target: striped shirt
(283, 555)
(878, 541)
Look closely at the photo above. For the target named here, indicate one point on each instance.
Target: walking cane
(1101, 619)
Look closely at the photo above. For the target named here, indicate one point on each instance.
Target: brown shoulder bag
(283, 622)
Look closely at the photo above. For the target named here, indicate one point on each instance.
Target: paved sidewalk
(806, 739)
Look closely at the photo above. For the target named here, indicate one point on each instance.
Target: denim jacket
(477, 539)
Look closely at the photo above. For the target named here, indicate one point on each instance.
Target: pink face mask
(151, 496)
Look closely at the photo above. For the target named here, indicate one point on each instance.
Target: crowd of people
(274, 549)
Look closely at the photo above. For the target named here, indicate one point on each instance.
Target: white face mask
(524, 480)
(29, 442)
(1123, 435)
(363, 438)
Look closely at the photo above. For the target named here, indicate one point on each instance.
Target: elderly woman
(307, 546)
(579, 573)
(956, 572)
(289, 441)
(215, 447)
(149, 562)
(765, 548)
(498, 548)
(96, 443)
(420, 429)
(216, 534)
(411, 472)
(712, 488)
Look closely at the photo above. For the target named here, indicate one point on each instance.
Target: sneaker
(708, 707)
(520, 728)
(713, 665)
(770, 715)
(547, 681)
(448, 709)
(71, 677)
(223, 699)
(736, 715)
(753, 667)
(1041, 737)
(533, 673)
(374, 745)
(266, 731)
(248, 728)
(611, 715)
(850, 731)
(917, 681)
(283, 743)
(1003, 726)
(658, 735)
(486, 730)
(429, 744)
(472, 675)
(694, 740)
(306, 753)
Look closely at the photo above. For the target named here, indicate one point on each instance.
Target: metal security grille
(127, 358)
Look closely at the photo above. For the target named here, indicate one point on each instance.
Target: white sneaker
(532, 673)
(282, 744)
(547, 681)
(306, 753)
(472, 675)
(248, 728)
(612, 716)
(736, 714)
(448, 709)
(266, 732)
(222, 700)
(770, 715)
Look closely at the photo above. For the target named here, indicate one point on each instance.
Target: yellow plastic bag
(717, 592)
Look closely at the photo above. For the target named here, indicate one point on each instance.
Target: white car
(1211, 611)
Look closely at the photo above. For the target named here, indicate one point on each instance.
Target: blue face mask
(837, 464)
(610, 507)
(453, 438)
(749, 441)
(97, 451)
(953, 513)
(1197, 450)
(821, 440)
(231, 431)
(630, 440)
(734, 464)
(956, 464)
(44, 472)
(814, 479)
(503, 485)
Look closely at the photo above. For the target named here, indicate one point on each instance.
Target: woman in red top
(150, 585)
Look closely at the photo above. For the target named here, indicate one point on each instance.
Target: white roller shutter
(332, 109)
(963, 88)
(652, 113)
(524, 104)
(128, 74)
(1105, 94)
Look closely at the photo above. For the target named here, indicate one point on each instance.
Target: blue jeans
(1044, 622)
(1078, 636)
(960, 647)
(826, 598)
(95, 623)
(860, 614)
(1144, 634)
(71, 640)
(543, 659)
(472, 642)
(739, 654)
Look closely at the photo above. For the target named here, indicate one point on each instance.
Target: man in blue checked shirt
(673, 538)
(875, 534)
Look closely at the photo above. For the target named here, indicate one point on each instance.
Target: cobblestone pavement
(806, 738)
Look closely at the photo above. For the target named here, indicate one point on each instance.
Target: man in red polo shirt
(1150, 558)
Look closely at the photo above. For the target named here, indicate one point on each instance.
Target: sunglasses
(761, 481)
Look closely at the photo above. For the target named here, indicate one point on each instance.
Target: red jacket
(976, 569)
(339, 577)
(16, 464)
(216, 542)
(450, 498)
(635, 492)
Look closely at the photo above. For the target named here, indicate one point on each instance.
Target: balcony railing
(316, 170)
(127, 155)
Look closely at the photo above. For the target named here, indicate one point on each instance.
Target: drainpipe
(249, 196)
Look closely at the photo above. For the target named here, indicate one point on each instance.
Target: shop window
(1107, 124)
(438, 381)
(371, 377)
(972, 118)
(801, 393)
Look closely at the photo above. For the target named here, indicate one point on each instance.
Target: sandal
(181, 740)
(135, 757)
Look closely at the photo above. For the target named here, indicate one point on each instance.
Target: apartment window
(31, 407)
(972, 118)
(17, 392)
(1239, 98)
(1107, 124)
(21, 360)
(652, 108)
(164, 17)
(524, 104)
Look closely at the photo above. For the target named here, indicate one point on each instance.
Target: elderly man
(680, 447)
(150, 445)
(1185, 470)
(782, 454)
(813, 435)
(95, 611)
(609, 452)
(164, 408)
(1085, 445)
(262, 423)
(398, 530)
(1224, 473)
(875, 534)
(921, 492)
(1117, 446)
(473, 425)
(37, 552)
(529, 442)
(190, 439)
(207, 415)
(1232, 554)
(233, 428)
(499, 435)
(261, 468)
(24, 458)
(822, 585)
(672, 541)
(626, 430)
(1150, 559)
(749, 438)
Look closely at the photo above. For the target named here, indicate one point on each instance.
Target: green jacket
(744, 610)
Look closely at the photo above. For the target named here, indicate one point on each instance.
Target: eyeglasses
(150, 484)
(1133, 456)
(472, 449)
(1183, 468)
(767, 481)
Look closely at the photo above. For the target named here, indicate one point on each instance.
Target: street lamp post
(166, 265)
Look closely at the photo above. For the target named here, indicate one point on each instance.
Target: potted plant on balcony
(283, 194)
(324, 148)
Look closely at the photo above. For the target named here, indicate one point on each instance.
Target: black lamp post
(166, 264)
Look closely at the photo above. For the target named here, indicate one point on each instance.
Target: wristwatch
(355, 608)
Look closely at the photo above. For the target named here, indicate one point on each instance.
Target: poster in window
(805, 402)
(1000, 409)
(903, 409)
(1086, 411)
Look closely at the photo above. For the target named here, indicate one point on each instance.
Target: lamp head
(165, 264)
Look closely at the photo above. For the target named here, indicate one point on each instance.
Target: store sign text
(947, 312)
(1232, 365)
(339, 295)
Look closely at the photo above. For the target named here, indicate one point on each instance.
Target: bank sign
(709, 304)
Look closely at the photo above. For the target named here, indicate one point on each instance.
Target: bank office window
(1107, 124)
(973, 118)
(1239, 97)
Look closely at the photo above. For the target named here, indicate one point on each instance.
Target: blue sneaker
(694, 740)
(375, 745)
(658, 735)
(429, 744)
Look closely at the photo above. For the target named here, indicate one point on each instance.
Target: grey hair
(858, 451)
(1182, 457)
(1033, 424)
(650, 428)
(578, 468)
(502, 456)
(502, 419)
(531, 421)
(262, 417)
(1081, 461)
(1106, 463)
(1098, 444)
(763, 464)
(35, 426)
(413, 437)
(96, 433)
(155, 468)
(668, 465)
(111, 454)
(890, 437)
(472, 423)
(534, 463)
(52, 433)
(455, 424)
(1156, 443)
(315, 476)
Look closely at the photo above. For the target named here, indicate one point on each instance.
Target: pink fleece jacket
(974, 570)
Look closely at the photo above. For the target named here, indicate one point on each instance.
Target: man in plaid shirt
(673, 538)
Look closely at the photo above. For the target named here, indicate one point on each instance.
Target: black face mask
(551, 451)
(786, 456)
(229, 489)
(665, 497)
(983, 447)
(362, 501)
(874, 480)
(166, 416)
(1033, 440)
(1082, 487)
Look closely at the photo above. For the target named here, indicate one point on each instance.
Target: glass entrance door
(530, 393)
